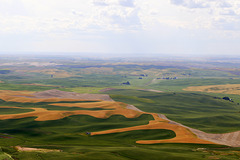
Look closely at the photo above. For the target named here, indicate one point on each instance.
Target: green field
(191, 109)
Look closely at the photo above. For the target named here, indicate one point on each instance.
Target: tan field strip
(227, 88)
(45, 115)
(183, 135)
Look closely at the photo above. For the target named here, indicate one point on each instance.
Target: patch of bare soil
(132, 107)
(107, 89)
(54, 93)
(27, 149)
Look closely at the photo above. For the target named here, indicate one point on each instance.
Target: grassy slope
(195, 110)
(65, 135)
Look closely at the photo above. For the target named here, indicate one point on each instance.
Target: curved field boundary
(183, 135)
(229, 139)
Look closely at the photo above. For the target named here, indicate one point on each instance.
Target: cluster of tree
(225, 98)
(126, 83)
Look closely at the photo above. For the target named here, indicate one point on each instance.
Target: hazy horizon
(121, 56)
(127, 27)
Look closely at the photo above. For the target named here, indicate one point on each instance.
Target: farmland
(85, 109)
(227, 89)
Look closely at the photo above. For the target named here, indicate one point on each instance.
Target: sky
(174, 27)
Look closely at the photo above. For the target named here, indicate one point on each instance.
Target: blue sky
(176, 27)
